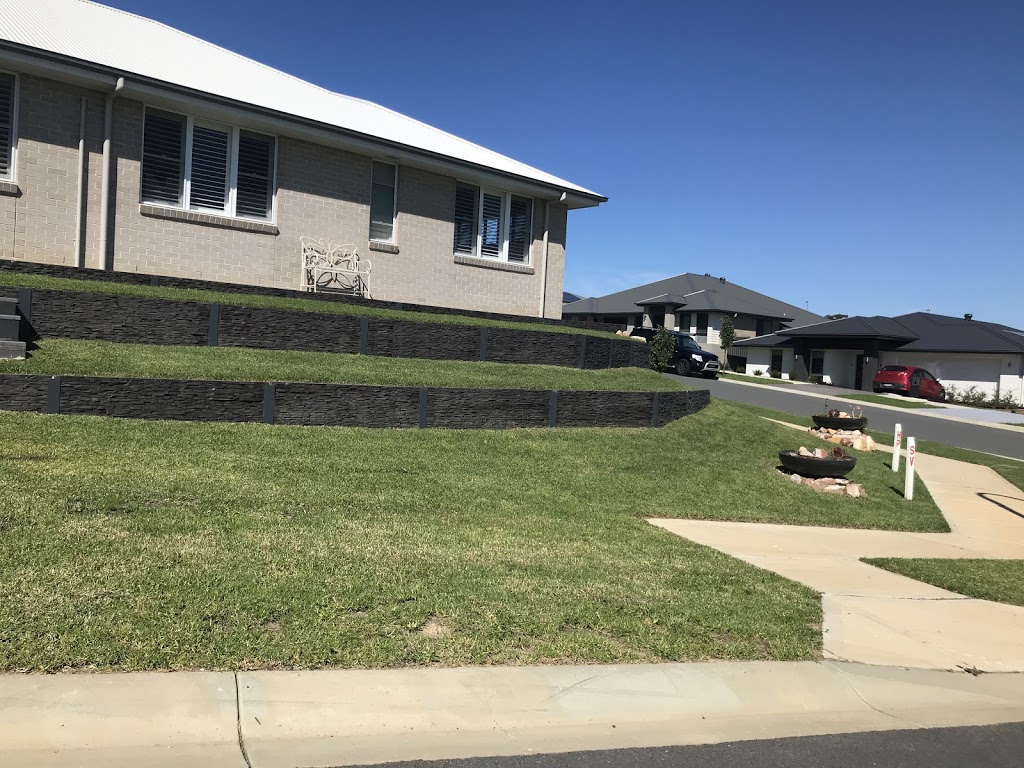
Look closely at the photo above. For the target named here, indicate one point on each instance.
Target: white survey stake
(908, 491)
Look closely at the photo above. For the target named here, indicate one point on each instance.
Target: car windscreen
(685, 342)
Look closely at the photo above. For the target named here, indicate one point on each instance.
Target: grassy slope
(101, 358)
(18, 280)
(130, 544)
(999, 580)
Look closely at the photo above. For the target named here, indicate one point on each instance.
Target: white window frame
(234, 132)
(394, 204)
(506, 207)
(12, 174)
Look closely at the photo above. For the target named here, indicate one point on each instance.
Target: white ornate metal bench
(333, 267)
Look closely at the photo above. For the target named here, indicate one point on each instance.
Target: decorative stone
(796, 479)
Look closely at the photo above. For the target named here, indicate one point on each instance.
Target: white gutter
(544, 259)
(80, 208)
(105, 262)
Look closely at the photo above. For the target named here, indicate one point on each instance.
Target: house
(694, 304)
(959, 351)
(128, 145)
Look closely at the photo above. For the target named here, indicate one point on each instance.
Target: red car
(908, 380)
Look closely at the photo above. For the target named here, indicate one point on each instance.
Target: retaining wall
(343, 404)
(136, 278)
(129, 319)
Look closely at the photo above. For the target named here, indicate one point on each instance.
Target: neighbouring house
(128, 145)
(693, 304)
(959, 351)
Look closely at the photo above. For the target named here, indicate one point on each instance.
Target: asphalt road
(1004, 442)
(993, 746)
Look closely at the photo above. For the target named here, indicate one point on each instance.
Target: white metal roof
(136, 45)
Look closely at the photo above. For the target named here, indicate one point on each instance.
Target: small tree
(663, 345)
(726, 337)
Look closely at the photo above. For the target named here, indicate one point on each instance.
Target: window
(817, 362)
(382, 201)
(776, 364)
(207, 167)
(8, 91)
(702, 323)
(684, 322)
(493, 225)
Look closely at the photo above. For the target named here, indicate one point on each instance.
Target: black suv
(688, 359)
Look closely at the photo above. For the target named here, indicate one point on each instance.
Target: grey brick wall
(322, 192)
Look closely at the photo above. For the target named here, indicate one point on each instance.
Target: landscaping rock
(855, 438)
(864, 443)
(833, 485)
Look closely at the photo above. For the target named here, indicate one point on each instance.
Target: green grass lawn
(19, 280)
(102, 358)
(138, 545)
(998, 580)
(160, 545)
(891, 401)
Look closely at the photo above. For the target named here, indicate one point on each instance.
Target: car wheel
(683, 367)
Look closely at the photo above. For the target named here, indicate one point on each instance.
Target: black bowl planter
(840, 422)
(809, 466)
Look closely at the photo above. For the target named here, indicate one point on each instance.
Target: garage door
(967, 371)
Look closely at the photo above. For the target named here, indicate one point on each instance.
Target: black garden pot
(837, 422)
(809, 466)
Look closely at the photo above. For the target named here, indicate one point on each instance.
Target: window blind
(519, 228)
(208, 180)
(490, 226)
(465, 219)
(163, 158)
(6, 124)
(254, 187)
(382, 201)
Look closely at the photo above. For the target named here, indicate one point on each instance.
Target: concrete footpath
(323, 718)
(878, 617)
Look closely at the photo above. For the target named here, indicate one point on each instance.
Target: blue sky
(857, 156)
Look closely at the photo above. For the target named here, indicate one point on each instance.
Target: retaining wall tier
(130, 319)
(349, 405)
(138, 278)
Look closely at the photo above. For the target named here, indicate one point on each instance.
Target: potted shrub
(818, 463)
(833, 418)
